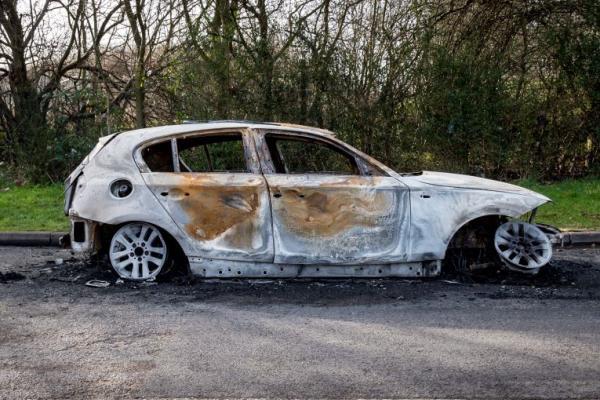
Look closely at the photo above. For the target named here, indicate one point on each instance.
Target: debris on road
(260, 281)
(97, 283)
(574, 274)
(451, 282)
(10, 276)
(66, 279)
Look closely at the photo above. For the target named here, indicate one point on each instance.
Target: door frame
(253, 171)
(250, 150)
(396, 252)
(363, 162)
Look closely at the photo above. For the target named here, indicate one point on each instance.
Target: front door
(329, 207)
(216, 195)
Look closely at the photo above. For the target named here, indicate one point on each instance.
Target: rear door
(214, 192)
(328, 205)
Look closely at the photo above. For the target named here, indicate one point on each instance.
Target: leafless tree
(153, 25)
(418, 83)
(41, 44)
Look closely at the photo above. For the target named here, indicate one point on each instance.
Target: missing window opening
(214, 153)
(294, 155)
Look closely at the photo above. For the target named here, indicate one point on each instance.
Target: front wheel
(523, 247)
(138, 251)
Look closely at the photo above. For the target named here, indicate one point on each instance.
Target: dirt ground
(503, 336)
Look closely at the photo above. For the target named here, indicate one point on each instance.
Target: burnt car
(244, 199)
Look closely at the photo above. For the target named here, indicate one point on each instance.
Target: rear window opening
(159, 157)
(222, 153)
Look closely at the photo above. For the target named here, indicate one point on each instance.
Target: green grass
(576, 203)
(32, 208)
(40, 208)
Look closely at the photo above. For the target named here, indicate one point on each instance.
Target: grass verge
(33, 208)
(40, 208)
(576, 203)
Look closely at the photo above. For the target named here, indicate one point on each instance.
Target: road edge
(36, 239)
(579, 238)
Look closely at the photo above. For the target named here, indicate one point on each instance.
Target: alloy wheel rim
(138, 251)
(522, 246)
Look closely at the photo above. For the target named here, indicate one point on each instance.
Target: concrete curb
(52, 238)
(579, 238)
(30, 238)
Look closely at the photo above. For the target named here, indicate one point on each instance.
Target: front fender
(437, 214)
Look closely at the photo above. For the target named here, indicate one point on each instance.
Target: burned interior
(239, 199)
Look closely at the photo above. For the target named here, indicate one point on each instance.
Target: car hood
(473, 182)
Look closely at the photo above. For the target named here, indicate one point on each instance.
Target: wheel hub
(522, 247)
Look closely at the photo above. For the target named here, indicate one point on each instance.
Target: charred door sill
(211, 268)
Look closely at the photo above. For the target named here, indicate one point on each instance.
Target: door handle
(277, 195)
(164, 193)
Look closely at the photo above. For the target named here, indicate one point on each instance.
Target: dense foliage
(505, 89)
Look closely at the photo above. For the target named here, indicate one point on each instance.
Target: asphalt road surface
(504, 337)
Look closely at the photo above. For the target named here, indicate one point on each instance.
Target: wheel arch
(487, 221)
(486, 213)
(471, 245)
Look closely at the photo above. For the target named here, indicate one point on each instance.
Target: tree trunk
(29, 121)
(140, 97)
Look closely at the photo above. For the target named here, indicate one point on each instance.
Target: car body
(245, 199)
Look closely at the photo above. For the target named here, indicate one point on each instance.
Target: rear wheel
(138, 251)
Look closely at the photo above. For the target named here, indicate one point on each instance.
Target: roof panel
(141, 135)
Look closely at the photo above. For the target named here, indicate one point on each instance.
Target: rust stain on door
(322, 212)
(214, 209)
